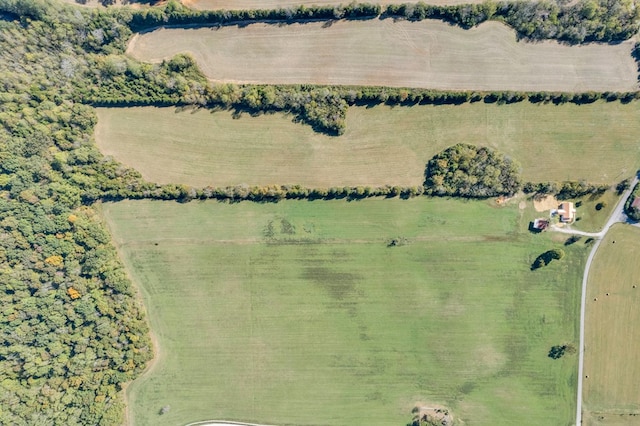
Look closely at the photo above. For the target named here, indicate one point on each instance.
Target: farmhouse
(567, 212)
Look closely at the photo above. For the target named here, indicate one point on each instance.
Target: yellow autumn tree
(73, 293)
(54, 260)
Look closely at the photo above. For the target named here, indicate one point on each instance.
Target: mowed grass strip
(382, 145)
(299, 313)
(611, 394)
(429, 54)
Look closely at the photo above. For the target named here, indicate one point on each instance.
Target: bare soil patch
(545, 204)
(428, 54)
(434, 413)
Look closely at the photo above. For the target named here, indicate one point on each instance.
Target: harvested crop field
(428, 54)
(300, 313)
(613, 331)
(381, 146)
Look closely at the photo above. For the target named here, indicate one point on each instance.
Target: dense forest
(72, 331)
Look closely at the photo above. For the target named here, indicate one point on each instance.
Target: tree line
(573, 22)
(565, 190)
(174, 13)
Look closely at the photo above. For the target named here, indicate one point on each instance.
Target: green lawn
(382, 145)
(299, 313)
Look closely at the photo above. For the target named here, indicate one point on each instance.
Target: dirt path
(556, 228)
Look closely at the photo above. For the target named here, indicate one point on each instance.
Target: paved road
(617, 215)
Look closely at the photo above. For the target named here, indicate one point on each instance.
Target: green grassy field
(613, 332)
(428, 53)
(299, 313)
(589, 218)
(382, 145)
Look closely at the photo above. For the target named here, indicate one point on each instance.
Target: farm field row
(429, 54)
(612, 331)
(300, 313)
(382, 145)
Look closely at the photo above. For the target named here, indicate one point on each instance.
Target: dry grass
(611, 394)
(381, 146)
(547, 203)
(428, 54)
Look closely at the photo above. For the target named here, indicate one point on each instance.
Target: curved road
(616, 216)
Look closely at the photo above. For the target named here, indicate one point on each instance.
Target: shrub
(623, 186)
(546, 258)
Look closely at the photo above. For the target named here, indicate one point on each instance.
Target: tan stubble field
(429, 54)
(612, 329)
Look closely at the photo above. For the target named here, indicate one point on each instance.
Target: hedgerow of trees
(465, 170)
(565, 190)
(573, 22)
